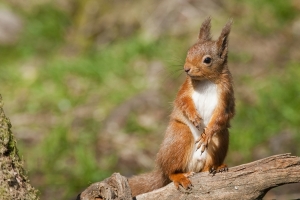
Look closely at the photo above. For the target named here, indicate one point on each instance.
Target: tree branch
(248, 181)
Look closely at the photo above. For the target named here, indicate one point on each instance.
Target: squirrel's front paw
(203, 141)
(196, 120)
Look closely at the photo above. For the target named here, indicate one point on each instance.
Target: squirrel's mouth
(198, 77)
(195, 77)
(193, 74)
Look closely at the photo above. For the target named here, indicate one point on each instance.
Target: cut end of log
(114, 187)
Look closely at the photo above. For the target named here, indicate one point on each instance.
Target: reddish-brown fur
(179, 144)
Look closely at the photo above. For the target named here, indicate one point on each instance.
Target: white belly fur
(205, 98)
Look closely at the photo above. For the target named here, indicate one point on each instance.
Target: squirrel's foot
(203, 141)
(220, 169)
(182, 179)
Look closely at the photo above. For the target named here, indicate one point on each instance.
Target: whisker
(175, 74)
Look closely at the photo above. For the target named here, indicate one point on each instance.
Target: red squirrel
(197, 136)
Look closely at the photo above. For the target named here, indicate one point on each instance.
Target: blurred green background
(88, 84)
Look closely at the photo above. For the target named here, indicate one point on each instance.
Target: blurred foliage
(71, 68)
(277, 12)
(276, 109)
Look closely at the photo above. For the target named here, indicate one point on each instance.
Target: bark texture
(248, 181)
(14, 183)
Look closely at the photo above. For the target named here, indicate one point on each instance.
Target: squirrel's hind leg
(182, 179)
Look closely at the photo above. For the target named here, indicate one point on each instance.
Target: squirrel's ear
(222, 42)
(204, 33)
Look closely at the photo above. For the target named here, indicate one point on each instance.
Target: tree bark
(248, 181)
(14, 183)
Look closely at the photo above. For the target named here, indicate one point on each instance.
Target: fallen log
(248, 181)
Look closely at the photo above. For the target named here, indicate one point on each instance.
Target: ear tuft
(222, 42)
(204, 34)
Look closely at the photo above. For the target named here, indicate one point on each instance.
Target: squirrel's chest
(205, 97)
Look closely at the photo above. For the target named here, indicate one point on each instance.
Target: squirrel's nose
(187, 69)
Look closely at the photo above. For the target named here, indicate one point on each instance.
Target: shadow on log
(248, 181)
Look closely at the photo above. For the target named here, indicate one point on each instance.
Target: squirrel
(197, 137)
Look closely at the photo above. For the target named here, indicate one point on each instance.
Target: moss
(14, 183)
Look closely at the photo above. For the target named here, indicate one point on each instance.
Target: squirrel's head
(207, 58)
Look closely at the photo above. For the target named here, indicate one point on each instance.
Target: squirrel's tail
(147, 182)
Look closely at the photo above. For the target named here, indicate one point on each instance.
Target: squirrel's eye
(207, 60)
